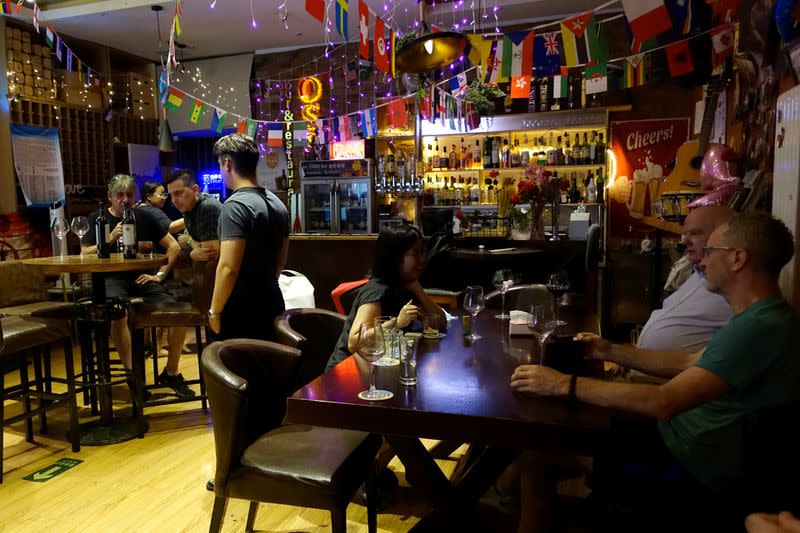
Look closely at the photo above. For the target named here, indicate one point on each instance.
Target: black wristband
(572, 381)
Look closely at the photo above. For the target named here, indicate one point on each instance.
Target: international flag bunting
(686, 16)
(561, 84)
(596, 79)
(275, 134)
(634, 72)
(479, 49)
(300, 134)
(218, 120)
(473, 117)
(344, 128)
(369, 123)
(70, 57)
(363, 30)
(493, 64)
(342, 7)
(241, 127)
(458, 83)
(179, 7)
(177, 26)
(48, 36)
(250, 127)
(316, 8)
(392, 39)
(7, 7)
(647, 19)
(381, 49)
(396, 113)
(725, 10)
(679, 58)
(196, 111)
(59, 44)
(18, 7)
(175, 99)
(721, 43)
(452, 111)
(547, 54)
(520, 86)
(162, 88)
(429, 108)
(334, 126)
(79, 69)
(517, 54)
(36, 14)
(582, 44)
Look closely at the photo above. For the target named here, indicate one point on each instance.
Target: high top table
(107, 430)
(463, 395)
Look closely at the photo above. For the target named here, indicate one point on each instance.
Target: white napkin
(518, 324)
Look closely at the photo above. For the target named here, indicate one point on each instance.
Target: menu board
(345, 168)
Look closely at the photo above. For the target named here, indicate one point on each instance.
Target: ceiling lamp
(166, 143)
(430, 51)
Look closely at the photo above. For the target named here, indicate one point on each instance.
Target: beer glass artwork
(638, 193)
(655, 202)
(372, 346)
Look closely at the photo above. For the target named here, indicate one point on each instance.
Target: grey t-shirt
(203, 218)
(257, 215)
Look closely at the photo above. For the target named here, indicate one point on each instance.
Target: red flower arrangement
(538, 187)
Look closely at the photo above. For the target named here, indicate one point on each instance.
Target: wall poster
(37, 160)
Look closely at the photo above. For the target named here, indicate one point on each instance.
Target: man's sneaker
(176, 383)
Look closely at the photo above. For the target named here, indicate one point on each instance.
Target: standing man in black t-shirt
(149, 227)
(254, 241)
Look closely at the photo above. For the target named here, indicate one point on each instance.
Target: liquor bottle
(591, 190)
(128, 233)
(429, 160)
(516, 160)
(559, 157)
(476, 155)
(533, 96)
(487, 153)
(462, 155)
(475, 192)
(571, 96)
(495, 152)
(577, 151)
(101, 233)
(382, 164)
(453, 162)
(574, 195)
(601, 151)
(600, 184)
(445, 159)
(505, 155)
(468, 161)
(593, 149)
(401, 166)
(390, 169)
(567, 152)
(460, 191)
(543, 95)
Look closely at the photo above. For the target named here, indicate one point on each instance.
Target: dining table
(463, 395)
(108, 429)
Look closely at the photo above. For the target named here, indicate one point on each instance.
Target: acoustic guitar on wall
(682, 185)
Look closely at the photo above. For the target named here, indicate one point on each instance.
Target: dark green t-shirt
(756, 354)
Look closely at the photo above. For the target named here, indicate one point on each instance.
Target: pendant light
(430, 50)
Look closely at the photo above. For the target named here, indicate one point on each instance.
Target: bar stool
(19, 337)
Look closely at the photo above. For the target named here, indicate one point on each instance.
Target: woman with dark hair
(152, 196)
(393, 289)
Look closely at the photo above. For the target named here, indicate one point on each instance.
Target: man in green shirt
(750, 364)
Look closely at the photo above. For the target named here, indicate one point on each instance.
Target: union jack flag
(551, 43)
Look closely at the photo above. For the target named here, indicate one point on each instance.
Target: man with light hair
(148, 286)
(254, 241)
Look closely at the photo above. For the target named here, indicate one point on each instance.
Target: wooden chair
(312, 331)
(19, 337)
(260, 460)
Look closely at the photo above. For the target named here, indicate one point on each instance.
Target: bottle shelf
(515, 169)
(489, 207)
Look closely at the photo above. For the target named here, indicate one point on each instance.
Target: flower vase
(537, 224)
(555, 207)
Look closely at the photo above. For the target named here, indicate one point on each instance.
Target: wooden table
(463, 395)
(107, 430)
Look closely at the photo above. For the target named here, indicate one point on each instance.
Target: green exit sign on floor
(49, 472)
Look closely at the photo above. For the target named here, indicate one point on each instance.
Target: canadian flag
(381, 50)
(722, 42)
(647, 18)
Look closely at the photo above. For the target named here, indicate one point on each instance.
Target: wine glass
(80, 227)
(558, 284)
(542, 323)
(503, 280)
(60, 228)
(473, 303)
(372, 346)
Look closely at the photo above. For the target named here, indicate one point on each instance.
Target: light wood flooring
(156, 483)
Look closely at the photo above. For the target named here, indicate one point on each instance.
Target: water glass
(473, 303)
(60, 228)
(503, 280)
(146, 248)
(80, 227)
(371, 346)
(408, 362)
(430, 326)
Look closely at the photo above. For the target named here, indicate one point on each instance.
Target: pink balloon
(719, 196)
(717, 168)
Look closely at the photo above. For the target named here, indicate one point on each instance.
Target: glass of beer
(636, 207)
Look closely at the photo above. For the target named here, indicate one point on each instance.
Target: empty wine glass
(80, 227)
(372, 346)
(542, 323)
(473, 303)
(60, 228)
(503, 280)
(558, 284)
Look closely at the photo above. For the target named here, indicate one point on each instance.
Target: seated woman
(153, 197)
(393, 289)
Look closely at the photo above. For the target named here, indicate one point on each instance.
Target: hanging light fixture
(166, 142)
(430, 50)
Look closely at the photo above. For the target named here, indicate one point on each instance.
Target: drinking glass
(372, 346)
(80, 227)
(387, 324)
(473, 303)
(503, 280)
(558, 284)
(60, 227)
(408, 362)
(542, 323)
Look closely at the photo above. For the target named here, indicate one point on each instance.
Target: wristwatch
(160, 274)
(212, 314)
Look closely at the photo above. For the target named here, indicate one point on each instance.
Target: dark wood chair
(19, 338)
(260, 460)
(312, 331)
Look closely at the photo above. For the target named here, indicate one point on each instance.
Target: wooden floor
(153, 484)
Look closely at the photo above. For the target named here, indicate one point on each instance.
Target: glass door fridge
(337, 196)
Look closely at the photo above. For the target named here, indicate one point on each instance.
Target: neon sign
(310, 93)
(348, 149)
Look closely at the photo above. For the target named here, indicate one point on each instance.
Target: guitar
(682, 185)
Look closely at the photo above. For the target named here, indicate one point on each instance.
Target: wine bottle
(128, 233)
(101, 232)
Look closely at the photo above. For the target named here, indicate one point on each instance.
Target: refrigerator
(337, 196)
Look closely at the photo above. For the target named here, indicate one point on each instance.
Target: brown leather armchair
(312, 331)
(18, 338)
(260, 460)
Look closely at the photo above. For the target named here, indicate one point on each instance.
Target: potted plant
(482, 96)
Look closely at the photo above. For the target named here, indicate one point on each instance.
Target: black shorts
(150, 292)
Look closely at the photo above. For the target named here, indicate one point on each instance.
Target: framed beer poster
(643, 152)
